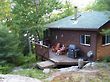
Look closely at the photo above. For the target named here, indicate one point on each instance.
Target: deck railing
(42, 50)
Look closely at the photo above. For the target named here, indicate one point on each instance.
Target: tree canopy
(100, 5)
(5, 9)
(21, 16)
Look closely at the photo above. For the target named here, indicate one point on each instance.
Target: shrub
(4, 69)
(25, 61)
(9, 46)
(28, 60)
(106, 59)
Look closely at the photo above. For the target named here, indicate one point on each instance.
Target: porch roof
(86, 20)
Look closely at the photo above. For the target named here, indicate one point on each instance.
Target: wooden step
(45, 64)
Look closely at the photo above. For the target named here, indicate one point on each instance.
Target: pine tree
(9, 50)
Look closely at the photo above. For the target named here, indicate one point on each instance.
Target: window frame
(106, 42)
(85, 39)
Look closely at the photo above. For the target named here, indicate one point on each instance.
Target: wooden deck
(62, 59)
(52, 59)
(42, 50)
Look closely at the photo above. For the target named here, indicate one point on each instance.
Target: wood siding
(67, 37)
(102, 50)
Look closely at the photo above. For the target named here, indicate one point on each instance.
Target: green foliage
(4, 69)
(100, 5)
(26, 15)
(35, 73)
(4, 10)
(106, 59)
(23, 15)
(27, 61)
(9, 50)
(68, 9)
(105, 32)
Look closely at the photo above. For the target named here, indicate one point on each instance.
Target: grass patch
(4, 69)
(106, 59)
(34, 73)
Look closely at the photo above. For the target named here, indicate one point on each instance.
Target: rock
(17, 69)
(93, 64)
(90, 65)
(17, 78)
(34, 65)
(72, 68)
(88, 71)
(49, 79)
(46, 70)
(80, 63)
(63, 69)
(87, 65)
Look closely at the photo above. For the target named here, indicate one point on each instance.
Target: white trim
(106, 44)
(56, 37)
(85, 36)
(85, 44)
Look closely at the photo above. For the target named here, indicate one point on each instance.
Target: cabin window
(85, 40)
(106, 39)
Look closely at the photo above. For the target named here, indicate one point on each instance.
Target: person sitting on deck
(61, 50)
(56, 47)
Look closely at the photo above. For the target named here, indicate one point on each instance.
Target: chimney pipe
(76, 12)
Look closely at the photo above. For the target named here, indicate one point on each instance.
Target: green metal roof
(86, 20)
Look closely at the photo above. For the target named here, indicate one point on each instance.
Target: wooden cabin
(84, 32)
